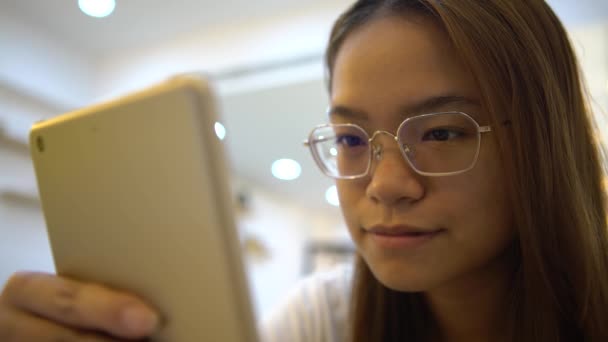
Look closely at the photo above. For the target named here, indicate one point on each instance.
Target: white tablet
(135, 196)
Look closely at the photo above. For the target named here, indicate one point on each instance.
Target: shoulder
(316, 309)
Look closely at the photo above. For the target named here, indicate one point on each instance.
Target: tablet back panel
(135, 196)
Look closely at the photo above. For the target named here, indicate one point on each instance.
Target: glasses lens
(440, 143)
(341, 150)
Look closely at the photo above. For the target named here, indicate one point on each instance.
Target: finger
(81, 305)
(19, 326)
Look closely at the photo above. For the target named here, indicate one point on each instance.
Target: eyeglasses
(437, 144)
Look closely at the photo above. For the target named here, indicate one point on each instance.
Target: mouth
(401, 236)
(400, 230)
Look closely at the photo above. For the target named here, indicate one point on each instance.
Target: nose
(393, 181)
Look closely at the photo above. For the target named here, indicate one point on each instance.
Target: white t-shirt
(315, 311)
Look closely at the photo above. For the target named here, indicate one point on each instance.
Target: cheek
(480, 209)
(478, 221)
(475, 198)
(482, 190)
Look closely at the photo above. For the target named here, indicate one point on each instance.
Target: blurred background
(265, 59)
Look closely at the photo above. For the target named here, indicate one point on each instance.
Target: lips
(401, 230)
(401, 237)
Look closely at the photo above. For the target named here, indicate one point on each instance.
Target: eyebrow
(428, 105)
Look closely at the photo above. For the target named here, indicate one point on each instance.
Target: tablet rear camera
(40, 144)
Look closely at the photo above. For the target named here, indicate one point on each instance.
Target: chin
(397, 278)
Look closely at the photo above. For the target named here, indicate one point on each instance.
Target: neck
(474, 307)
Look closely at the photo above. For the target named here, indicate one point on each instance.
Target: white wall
(23, 245)
(284, 229)
(43, 66)
(591, 45)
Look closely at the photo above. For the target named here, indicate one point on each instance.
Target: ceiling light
(331, 196)
(97, 8)
(286, 169)
(220, 130)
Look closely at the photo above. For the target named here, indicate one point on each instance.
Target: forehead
(394, 61)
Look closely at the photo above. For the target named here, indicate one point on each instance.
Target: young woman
(469, 178)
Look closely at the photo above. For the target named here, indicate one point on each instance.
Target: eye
(441, 134)
(349, 140)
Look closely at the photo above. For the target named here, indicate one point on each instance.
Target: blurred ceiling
(137, 23)
(146, 22)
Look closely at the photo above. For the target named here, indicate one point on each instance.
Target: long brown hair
(525, 67)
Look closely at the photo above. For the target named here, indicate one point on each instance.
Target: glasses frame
(376, 150)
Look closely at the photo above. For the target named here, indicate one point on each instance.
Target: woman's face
(415, 232)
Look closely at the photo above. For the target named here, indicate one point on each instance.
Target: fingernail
(139, 320)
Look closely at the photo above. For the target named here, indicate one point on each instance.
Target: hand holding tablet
(136, 197)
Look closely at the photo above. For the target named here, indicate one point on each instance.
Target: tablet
(135, 195)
